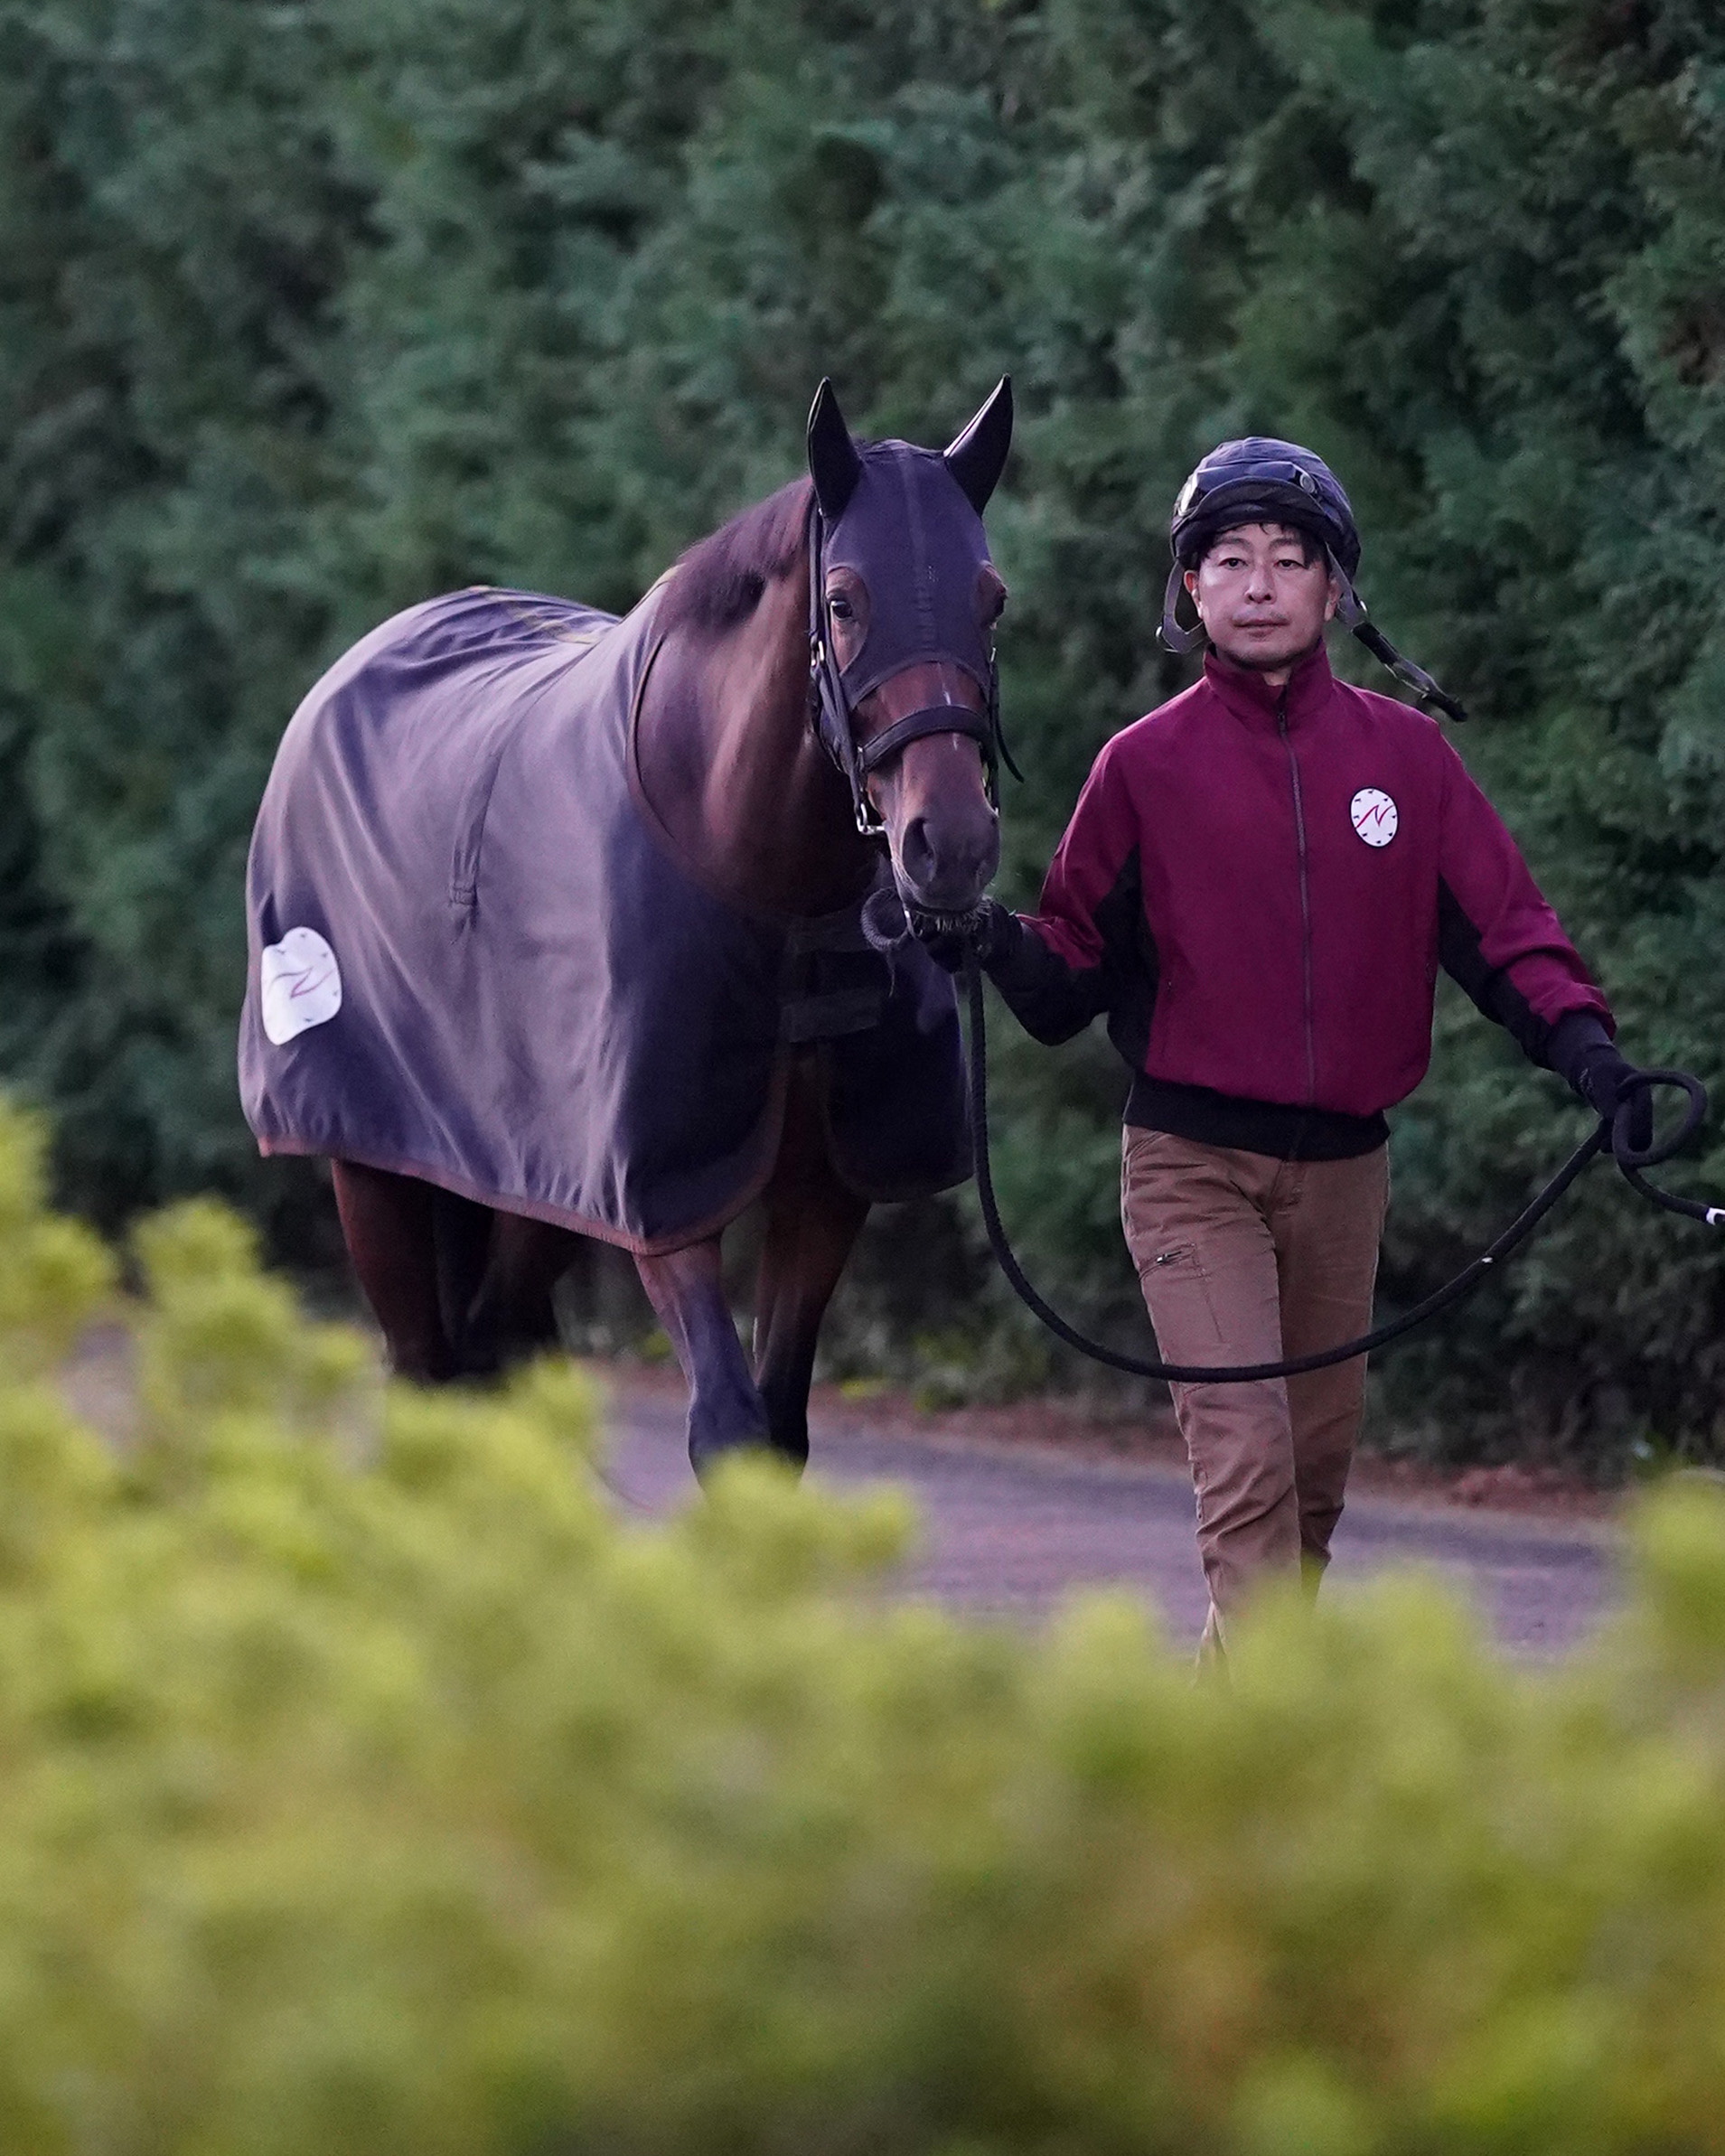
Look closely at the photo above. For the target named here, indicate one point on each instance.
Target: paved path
(1009, 1528)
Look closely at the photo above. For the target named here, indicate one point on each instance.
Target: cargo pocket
(1176, 1294)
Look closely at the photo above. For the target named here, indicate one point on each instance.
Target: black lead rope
(1605, 1138)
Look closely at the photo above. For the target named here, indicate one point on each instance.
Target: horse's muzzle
(925, 924)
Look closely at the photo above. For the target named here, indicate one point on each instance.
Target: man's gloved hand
(994, 932)
(1602, 1079)
(1582, 1055)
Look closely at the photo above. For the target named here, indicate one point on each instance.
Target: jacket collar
(1249, 697)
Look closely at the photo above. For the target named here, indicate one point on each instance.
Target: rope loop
(1695, 1114)
(1612, 1136)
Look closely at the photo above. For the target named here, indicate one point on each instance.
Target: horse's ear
(834, 465)
(977, 457)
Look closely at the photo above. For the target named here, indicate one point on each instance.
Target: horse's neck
(731, 770)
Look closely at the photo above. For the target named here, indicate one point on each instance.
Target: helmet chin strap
(1176, 637)
(1350, 610)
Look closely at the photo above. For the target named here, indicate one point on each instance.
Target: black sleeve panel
(1132, 966)
(1490, 987)
(1042, 991)
(1053, 1001)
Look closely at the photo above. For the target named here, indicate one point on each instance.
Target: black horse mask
(909, 522)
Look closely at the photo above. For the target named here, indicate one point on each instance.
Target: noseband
(830, 712)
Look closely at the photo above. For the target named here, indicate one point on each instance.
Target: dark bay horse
(807, 695)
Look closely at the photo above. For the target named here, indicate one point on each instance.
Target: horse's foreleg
(812, 1222)
(389, 1224)
(725, 1410)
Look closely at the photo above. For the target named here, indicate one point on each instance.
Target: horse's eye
(841, 607)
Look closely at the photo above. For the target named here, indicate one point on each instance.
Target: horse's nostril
(948, 868)
(915, 854)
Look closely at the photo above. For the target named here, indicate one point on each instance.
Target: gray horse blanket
(474, 960)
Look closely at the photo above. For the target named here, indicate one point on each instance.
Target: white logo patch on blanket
(301, 984)
(1374, 816)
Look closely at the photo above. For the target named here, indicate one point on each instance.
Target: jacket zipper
(1304, 896)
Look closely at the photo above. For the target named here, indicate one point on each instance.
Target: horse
(561, 924)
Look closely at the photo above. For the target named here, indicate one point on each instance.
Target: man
(1258, 886)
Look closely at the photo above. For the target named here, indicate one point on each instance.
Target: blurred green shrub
(366, 1785)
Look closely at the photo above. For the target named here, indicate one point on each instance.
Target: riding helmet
(1261, 481)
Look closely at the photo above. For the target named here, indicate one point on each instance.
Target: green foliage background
(308, 309)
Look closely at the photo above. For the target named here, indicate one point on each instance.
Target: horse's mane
(718, 582)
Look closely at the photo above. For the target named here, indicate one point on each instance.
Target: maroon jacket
(1259, 888)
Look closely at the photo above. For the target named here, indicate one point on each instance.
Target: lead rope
(1603, 1139)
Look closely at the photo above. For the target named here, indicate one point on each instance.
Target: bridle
(831, 712)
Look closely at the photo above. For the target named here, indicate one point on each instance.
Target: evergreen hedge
(366, 1784)
(308, 311)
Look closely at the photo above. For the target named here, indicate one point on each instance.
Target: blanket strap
(811, 1009)
(827, 1016)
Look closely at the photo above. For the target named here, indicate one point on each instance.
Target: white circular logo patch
(301, 984)
(1374, 816)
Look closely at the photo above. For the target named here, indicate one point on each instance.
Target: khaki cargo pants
(1244, 1258)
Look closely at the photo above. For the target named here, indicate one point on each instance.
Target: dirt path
(1010, 1527)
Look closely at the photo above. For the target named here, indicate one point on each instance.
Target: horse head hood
(909, 522)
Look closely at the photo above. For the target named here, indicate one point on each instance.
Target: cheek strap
(1173, 633)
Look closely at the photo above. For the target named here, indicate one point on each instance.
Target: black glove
(1581, 1053)
(993, 930)
(1606, 1079)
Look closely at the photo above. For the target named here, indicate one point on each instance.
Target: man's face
(1263, 602)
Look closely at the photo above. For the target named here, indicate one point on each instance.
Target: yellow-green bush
(366, 1784)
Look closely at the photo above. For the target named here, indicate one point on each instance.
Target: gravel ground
(1021, 1505)
(1011, 1523)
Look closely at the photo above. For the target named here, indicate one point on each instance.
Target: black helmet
(1262, 481)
